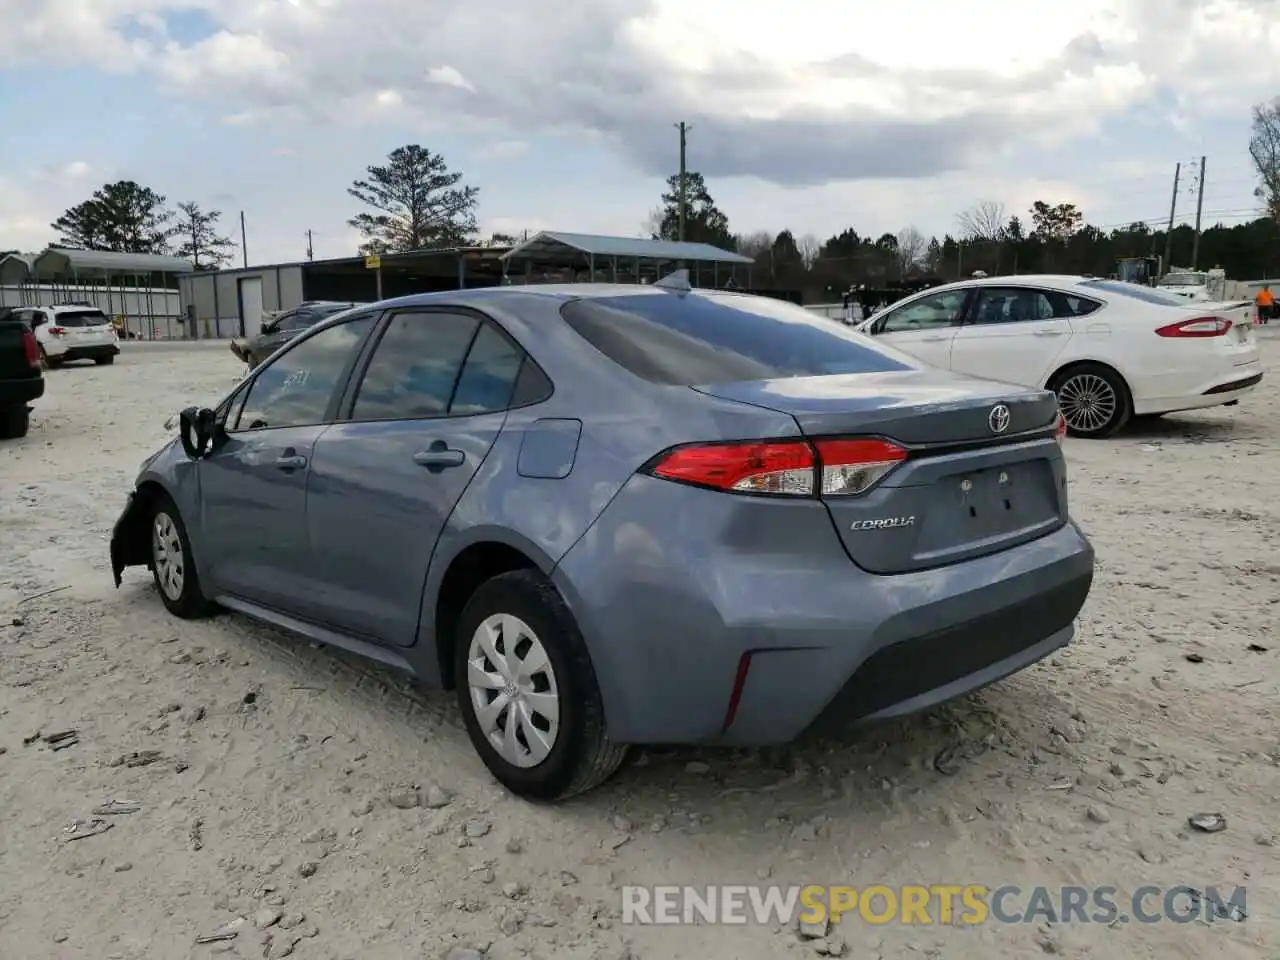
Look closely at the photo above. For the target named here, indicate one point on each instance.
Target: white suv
(72, 331)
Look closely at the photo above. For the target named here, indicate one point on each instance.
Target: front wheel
(172, 564)
(528, 691)
(1094, 400)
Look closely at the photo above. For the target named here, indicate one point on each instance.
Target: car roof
(72, 308)
(561, 292)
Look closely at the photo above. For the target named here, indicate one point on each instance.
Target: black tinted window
(296, 387)
(81, 318)
(718, 338)
(489, 375)
(413, 371)
(299, 320)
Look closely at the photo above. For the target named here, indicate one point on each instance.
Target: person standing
(1265, 302)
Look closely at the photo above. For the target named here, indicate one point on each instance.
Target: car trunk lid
(982, 470)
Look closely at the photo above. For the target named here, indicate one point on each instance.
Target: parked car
(607, 515)
(1110, 350)
(283, 327)
(21, 379)
(66, 332)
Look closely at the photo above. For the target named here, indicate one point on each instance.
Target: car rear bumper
(758, 645)
(1224, 386)
(88, 352)
(22, 391)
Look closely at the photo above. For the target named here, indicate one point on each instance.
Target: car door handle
(1050, 333)
(295, 462)
(440, 458)
(936, 338)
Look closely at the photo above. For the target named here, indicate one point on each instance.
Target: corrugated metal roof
(61, 261)
(550, 242)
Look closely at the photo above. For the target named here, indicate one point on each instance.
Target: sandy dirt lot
(325, 801)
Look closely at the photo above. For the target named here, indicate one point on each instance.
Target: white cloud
(503, 150)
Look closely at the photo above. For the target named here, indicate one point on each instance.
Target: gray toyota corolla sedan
(609, 515)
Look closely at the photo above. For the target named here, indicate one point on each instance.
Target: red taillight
(56, 331)
(1060, 428)
(783, 467)
(1196, 327)
(777, 467)
(31, 348)
(850, 467)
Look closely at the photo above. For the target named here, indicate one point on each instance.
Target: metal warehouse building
(228, 303)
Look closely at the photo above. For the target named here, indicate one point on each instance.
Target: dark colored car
(21, 379)
(281, 329)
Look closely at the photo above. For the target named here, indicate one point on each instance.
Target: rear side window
(489, 375)
(720, 338)
(415, 366)
(1134, 292)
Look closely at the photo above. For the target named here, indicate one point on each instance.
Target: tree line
(414, 201)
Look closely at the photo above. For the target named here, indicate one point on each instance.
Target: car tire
(1093, 399)
(522, 608)
(15, 422)
(170, 543)
(104, 361)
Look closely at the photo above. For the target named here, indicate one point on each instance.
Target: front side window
(928, 313)
(295, 388)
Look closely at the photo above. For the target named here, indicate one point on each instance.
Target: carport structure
(553, 256)
(137, 289)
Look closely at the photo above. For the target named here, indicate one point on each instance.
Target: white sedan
(1110, 350)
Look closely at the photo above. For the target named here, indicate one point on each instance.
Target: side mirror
(198, 429)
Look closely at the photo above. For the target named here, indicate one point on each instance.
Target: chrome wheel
(1088, 403)
(166, 552)
(513, 690)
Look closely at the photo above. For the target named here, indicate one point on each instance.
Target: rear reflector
(1196, 327)
(1060, 428)
(783, 467)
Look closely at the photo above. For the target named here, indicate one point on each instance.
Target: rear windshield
(709, 338)
(80, 318)
(1135, 291)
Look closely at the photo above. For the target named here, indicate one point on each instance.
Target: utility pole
(244, 245)
(1173, 209)
(1195, 246)
(310, 252)
(684, 203)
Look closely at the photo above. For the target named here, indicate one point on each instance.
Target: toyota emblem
(998, 419)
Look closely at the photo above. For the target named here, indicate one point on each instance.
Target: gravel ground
(323, 800)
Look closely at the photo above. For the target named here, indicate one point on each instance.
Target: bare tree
(1264, 148)
(985, 220)
(753, 244)
(911, 248)
(809, 247)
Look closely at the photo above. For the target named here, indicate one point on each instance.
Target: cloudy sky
(811, 114)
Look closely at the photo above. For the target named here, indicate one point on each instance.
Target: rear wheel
(528, 691)
(1094, 400)
(14, 422)
(172, 564)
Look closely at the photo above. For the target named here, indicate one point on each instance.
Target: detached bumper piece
(1235, 385)
(129, 539)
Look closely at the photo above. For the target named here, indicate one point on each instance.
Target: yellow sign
(373, 262)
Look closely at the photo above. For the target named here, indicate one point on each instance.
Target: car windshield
(80, 318)
(1135, 292)
(709, 337)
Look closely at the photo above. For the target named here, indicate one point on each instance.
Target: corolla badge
(998, 418)
(884, 523)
